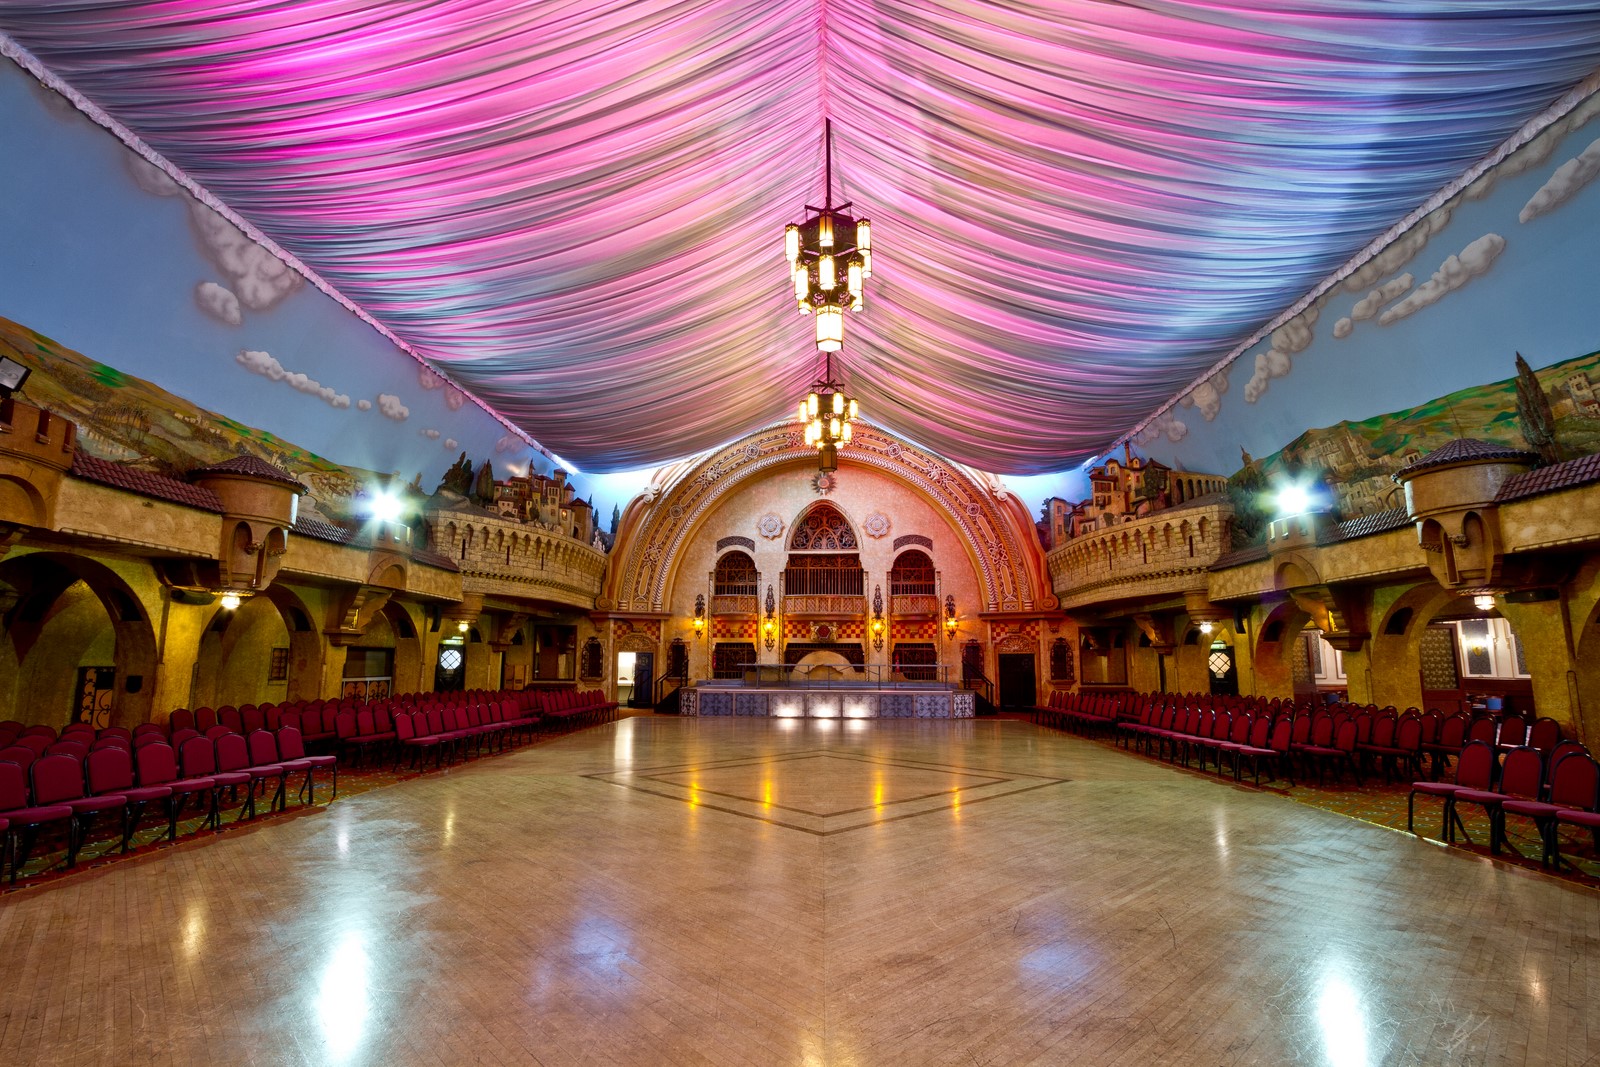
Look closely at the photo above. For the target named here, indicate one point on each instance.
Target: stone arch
(408, 665)
(1273, 653)
(36, 626)
(22, 502)
(987, 519)
(1395, 658)
(636, 642)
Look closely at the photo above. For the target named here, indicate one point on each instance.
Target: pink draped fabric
(575, 209)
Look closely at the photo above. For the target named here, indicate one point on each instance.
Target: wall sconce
(1205, 628)
(769, 626)
(700, 615)
(949, 616)
(463, 626)
(230, 601)
(877, 617)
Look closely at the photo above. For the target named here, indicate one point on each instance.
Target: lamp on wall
(769, 625)
(877, 617)
(950, 616)
(700, 615)
(230, 601)
(12, 376)
(1483, 601)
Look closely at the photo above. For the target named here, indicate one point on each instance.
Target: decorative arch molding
(662, 522)
(823, 527)
(1016, 643)
(913, 540)
(736, 541)
(636, 642)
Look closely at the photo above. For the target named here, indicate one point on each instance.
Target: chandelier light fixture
(830, 258)
(828, 415)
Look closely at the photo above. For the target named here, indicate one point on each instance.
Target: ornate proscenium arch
(1008, 567)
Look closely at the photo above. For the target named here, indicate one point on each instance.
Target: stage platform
(831, 700)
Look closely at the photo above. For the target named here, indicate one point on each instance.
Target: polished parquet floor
(680, 891)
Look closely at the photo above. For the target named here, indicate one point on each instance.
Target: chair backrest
(1575, 782)
(1453, 730)
(40, 730)
(1344, 739)
(21, 755)
(229, 717)
(1430, 727)
(56, 778)
(1282, 733)
(37, 742)
(1545, 734)
(205, 719)
(115, 731)
(108, 769)
(1408, 734)
(1483, 728)
(263, 748)
(1364, 727)
(1522, 773)
(74, 728)
(232, 753)
(157, 763)
(13, 786)
(345, 724)
(1555, 756)
(405, 727)
(1513, 731)
(1383, 729)
(290, 744)
(1475, 765)
(141, 740)
(366, 725)
(251, 719)
(145, 728)
(1322, 730)
(199, 757)
(182, 719)
(220, 730)
(273, 718)
(111, 741)
(180, 736)
(76, 749)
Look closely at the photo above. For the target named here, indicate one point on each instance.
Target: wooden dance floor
(750, 891)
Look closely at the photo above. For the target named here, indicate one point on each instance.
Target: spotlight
(1483, 601)
(1293, 500)
(230, 601)
(1205, 627)
(384, 507)
(463, 626)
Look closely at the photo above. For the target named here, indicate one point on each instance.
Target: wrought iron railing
(832, 676)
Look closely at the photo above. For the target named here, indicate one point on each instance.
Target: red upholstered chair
(112, 741)
(1475, 769)
(1574, 784)
(158, 765)
(1521, 778)
(293, 751)
(21, 755)
(205, 719)
(182, 719)
(198, 758)
(24, 819)
(1545, 734)
(58, 779)
(1513, 732)
(37, 742)
(251, 719)
(233, 754)
(1447, 744)
(75, 748)
(264, 757)
(110, 770)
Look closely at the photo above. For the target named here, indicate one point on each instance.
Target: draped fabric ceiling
(575, 209)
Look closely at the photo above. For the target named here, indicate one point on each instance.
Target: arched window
(735, 576)
(823, 529)
(912, 575)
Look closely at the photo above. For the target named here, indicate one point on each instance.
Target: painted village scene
(126, 420)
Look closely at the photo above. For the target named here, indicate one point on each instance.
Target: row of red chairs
(1553, 789)
(66, 790)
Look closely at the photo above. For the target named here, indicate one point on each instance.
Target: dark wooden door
(644, 681)
(1223, 670)
(1018, 680)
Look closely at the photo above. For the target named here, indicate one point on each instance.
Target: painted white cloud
(454, 399)
(259, 278)
(1536, 151)
(1452, 274)
(429, 380)
(509, 443)
(219, 302)
(268, 367)
(1288, 340)
(432, 435)
(1398, 253)
(1343, 327)
(1373, 302)
(390, 407)
(451, 444)
(1165, 425)
(1207, 396)
(1571, 176)
(364, 404)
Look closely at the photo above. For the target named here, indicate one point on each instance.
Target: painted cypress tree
(483, 490)
(1533, 412)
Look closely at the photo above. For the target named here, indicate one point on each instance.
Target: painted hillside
(129, 420)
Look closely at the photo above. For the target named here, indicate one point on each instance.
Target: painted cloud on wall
(1288, 340)
(390, 407)
(1167, 425)
(1571, 176)
(220, 302)
(1398, 253)
(260, 278)
(1471, 262)
(1372, 303)
(1207, 396)
(268, 367)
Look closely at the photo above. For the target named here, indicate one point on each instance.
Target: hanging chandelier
(830, 258)
(828, 414)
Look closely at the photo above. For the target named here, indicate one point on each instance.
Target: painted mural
(1501, 263)
(1355, 460)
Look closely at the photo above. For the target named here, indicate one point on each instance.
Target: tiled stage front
(758, 891)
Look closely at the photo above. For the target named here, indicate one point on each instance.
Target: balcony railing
(826, 606)
(831, 676)
(735, 605)
(914, 605)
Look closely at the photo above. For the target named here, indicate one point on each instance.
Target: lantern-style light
(831, 246)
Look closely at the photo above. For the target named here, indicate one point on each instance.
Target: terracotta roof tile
(323, 531)
(1239, 557)
(1568, 475)
(1463, 450)
(1367, 525)
(434, 559)
(145, 483)
(250, 467)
